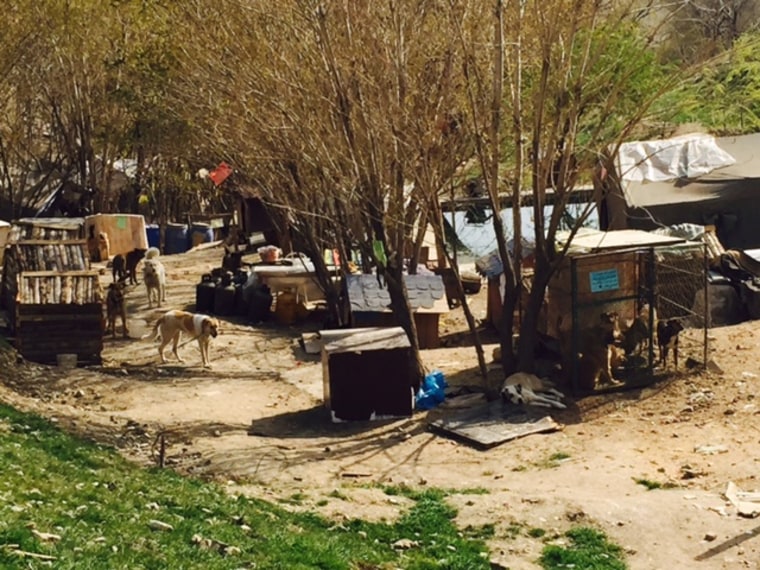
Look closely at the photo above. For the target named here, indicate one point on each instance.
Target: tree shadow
(728, 544)
(486, 334)
(580, 407)
(350, 444)
(316, 422)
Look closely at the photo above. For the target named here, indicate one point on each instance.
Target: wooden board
(377, 338)
(494, 423)
(43, 331)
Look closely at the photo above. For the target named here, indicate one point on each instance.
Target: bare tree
(698, 30)
(347, 127)
(575, 73)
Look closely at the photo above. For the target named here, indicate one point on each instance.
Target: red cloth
(220, 173)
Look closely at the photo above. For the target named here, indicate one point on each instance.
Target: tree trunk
(526, 354)
(402, 311)
(512, 291)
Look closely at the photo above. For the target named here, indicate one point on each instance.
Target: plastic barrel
(176, 238)
(201, 233)
(153, 231)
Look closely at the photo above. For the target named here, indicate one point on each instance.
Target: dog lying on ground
(115, 306)
(667, 338)
(154, 276)
(522, 388)
(595, 364)
(173, 324)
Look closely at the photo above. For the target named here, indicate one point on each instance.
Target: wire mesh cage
(624, 318)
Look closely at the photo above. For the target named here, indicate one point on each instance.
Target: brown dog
(115, 306)
(172, 324)
(667, 338)
(597, 343)
(636, 335)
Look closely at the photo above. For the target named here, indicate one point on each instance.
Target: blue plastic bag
(432, 392)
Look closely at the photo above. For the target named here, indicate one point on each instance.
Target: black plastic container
(205, 292)
(224, 297)
(260, 304)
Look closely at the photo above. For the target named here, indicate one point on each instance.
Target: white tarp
(687, 156)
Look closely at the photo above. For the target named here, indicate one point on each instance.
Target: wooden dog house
(370, 304)
(366, 374)
(53, 298)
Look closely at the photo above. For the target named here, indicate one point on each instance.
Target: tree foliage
(724, 96)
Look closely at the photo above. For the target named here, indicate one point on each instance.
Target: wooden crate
(54, 300)
(44, 331)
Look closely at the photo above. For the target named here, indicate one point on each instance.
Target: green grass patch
(589, 549)
(472, 491)
(102, 506)
(554, 460)
(648, 483)
(652, 485)
(536, 532)
(514, 530)
(337, 494)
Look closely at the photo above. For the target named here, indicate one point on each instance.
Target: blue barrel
(176, 239)
(201, 233)
(153, 231)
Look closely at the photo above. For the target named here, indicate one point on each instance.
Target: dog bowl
(66, 361)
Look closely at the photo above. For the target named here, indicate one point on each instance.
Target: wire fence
(610, 294)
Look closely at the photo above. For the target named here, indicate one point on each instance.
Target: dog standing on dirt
(173, 324)
(115, 306)
(154, 276)
(522, 388)
(636, 336)
(667, 339)
(597, 342)
(119, 268)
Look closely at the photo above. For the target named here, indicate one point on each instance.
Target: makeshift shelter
(254, 218)
(125, 231)
(370, 304)
(718, 185)
(53, 297)
(366, 374)
(622, 272)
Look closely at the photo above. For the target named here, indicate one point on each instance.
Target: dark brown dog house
(366, 375)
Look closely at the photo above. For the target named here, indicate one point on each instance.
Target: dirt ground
(255, 421)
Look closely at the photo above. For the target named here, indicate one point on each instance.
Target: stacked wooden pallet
(53, 298)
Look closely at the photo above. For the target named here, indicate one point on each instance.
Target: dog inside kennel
(622, 315)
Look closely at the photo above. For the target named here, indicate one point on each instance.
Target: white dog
(523, 388)
(173, 323)
(154, 276)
